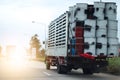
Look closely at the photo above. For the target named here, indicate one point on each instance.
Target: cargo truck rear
(83, 37)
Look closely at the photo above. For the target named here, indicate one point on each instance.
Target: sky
(16, 16)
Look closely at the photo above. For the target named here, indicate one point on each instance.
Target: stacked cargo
(76, 29)
(101, 28)
(89, 36)
(111, 12)
(93, 29)
(111, 27)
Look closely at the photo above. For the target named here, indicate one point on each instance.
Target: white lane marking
(46, 73)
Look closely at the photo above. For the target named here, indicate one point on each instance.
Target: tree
(35, 43)
(43, 52)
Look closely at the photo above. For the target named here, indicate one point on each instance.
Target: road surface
(34, 70)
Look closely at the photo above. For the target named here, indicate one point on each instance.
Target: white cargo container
(101, 32)
(112, 24)
(110, 16)
(99, 4)
(91, 49)
(102, 24)
(111, 11)
(91, 40)
(101, 28)
(101, 40)
(112, 33)
(110, 7)
(102, 49)
(89, 28)
(89, 32)
(99, 10)
(91, 23)
(90, 45)
(77, 12)
(113, 50)
(99, 13)
(80, 14)
(101, 45)
(113, 41)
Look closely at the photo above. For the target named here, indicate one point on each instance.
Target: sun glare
(18, 58)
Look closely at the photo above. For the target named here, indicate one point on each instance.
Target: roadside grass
(114, 65)
(42, 59)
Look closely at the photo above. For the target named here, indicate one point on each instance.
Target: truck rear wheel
(87, 71)
(69, 69)
(61, 69)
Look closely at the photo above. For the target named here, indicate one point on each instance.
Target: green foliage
(114, 65)
(34, 42)
(42, 52)
(42, 59)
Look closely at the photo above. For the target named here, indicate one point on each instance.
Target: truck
(83, 37)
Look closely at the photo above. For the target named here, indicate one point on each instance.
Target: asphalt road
(34, 70)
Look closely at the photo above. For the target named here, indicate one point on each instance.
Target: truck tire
(61, 69)
(69, 69)
(87, 71)
(47, 65)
